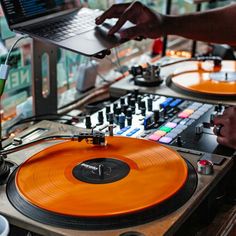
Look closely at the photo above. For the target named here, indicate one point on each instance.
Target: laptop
(64, 23)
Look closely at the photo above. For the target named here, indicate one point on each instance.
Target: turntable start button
(205, 167)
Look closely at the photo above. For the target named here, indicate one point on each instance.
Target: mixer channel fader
(167, 120)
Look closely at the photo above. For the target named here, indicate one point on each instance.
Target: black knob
(88, 123)
(179, 141)
(129, 116)
(108, 109)
(111, 118)
(118, 110)
(122, 120)
(136, 93)
(117, 113)
(129, 96)
(136, 70)
(218, 108)
(124, 108)
(143, 107)
(139, 99)
(115, 105)
(100, 117)
(129, 112)
(150, 104)
(156, 116)
(132, 105)
(122, 101)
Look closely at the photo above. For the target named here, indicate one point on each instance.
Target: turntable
(127, 185)
(199, 79)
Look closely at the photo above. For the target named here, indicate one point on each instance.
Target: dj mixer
(167, 120)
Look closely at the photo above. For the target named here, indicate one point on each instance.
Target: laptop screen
(18, 11)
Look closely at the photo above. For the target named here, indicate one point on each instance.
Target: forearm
(216, 26)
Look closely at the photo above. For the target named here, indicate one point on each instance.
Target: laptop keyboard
(67, 27)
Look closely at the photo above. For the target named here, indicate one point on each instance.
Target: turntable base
(166, 225)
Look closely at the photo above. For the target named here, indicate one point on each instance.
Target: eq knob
(108, 110)
(179, 141)
(88, 123)
(117, 113)
(100, 118)
(129, 96)
(143, 108)
(139, 100)
(124, 108)
(122, 120)
(129, 116)
(122, 101)
(156, 116)
(115, 105)
(132, 105)
(150, 104)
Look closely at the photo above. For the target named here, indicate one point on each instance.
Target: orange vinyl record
(204, 79)
(69, 179)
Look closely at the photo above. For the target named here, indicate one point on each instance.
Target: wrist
(167, 25)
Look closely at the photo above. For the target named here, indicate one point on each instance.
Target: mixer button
(154, 137)
(165, 140)
(171, 125)
(183, 115)
(166, 129)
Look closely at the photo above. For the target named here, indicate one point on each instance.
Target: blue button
(166, 102)
(133, 132)
(123, 130)
(176, 102)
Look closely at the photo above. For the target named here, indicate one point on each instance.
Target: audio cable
(5, 68)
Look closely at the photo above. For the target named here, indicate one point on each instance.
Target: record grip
(82, 188)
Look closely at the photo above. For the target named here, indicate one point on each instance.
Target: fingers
(219, 120)
(223, 141)
(113, 12)
(127, 15)
(220, 130)
(132, 32)
(225, 128)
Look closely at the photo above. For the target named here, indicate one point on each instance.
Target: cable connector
(4, 71)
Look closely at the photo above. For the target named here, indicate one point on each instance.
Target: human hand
(227, 134)
(148, 24)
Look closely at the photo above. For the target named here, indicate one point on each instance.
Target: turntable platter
(82, 186)
(156, 173)
(204, 80)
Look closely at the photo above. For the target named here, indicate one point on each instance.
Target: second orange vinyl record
(204, 79)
